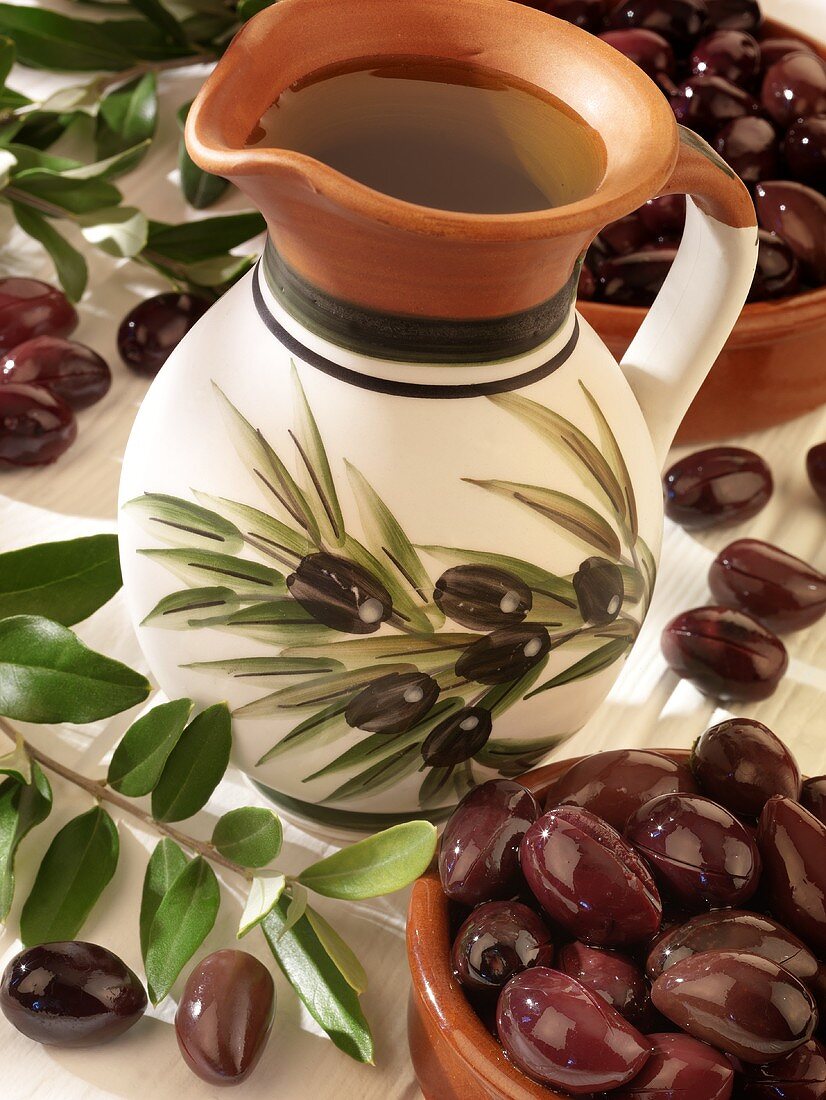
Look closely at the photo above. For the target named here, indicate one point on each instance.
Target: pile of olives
(656, 928)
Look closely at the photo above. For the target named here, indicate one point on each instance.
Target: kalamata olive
(340, 594)
(772, 49)
(716, 486)
(793, 845)
(392, 703)
(818, 987)
(587, 286)
(35, 426)
(225, 1016)
(482, 597)
(71, 994)
(626, 235)
(151, 331)
(742, 1004)
(479, 850)
(636, 279)
(813, 797)
(498, 940)
(599, 590)
(504, 654)
(30, 308)
(801, 1075)
(733, 55)
(707, 103)
(797, 214)
(679, 1067)
(587, 14)
(614, 784)
(725, 653)
(458, 737)
(647, 49)
(699, 851)
(71, 371)
(778, 272)
(664, 216)
(749, 146)
(612, 976)
(733, 930)
(588, 1046)
(804, 149)
(795, 87)
(816, 469)
(779, 589)
(738, 15)
(678, 21)
(741, 764)
(588, 879)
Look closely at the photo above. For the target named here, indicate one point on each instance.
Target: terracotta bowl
(772, 367)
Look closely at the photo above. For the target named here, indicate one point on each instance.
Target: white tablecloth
(648, 706)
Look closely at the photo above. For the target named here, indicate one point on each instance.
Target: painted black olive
(599, 590)
(340, 594)
(393, 703)
(482, 597)
(458, 737)
(504, 654)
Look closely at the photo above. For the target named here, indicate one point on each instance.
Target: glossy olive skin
(30, 308)
(635, 279)
(778, 271)
(715, 487)
(792, 843)
(591, 1047)
(582, 13)
(614, 784)
(733, 930)
(699, 851)
(678, 21)
(225, 1016)
(741, 764)
(626, 235)
(779, 589)
(741, 1004)
(739, 15)
(71, 994)
(725, 653)
(733, 55)
(392, 703)
(71, 371)
(340, 594)
(707, 103)
(588, 879)
(813, 797)
(795, 87)
(458, 737)
(36, 427)
(612, 976)
(151, 331)
(797, 214)
(481, 597)
(801, 1075)
(504, 654)
(772, 49)
(499, 939)
(479, 851)
(804, 150)
(749, 146)
(679, 1067)
(647, 49)
(664, 216)
(816, 470)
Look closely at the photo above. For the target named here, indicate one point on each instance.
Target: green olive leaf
(17, 764)
(118, 230)
(265, 891)
(250, 836)
(195, 766)
(127, 116)
(143, 750)
(378, 865)
(165, 864)
(298, 897)
(22, 807)
(204, 239)
(67, 581)
(70, 266)
(340, 952)
(201, 189)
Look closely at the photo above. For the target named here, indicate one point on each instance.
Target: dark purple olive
(795, 87)
(587, 14)
(725, 653)
(499, 939)
(741, 764)
(797, 214)
(151, 331)
(772, 49)
(680, 22)
(700, 852)
(742, 1004)
(733, 55)
(801, 1075)
(614, 784)
(738, 15)
(479, 850)
(664, 217)
(225, 1016)
(340, 594)
(504, 654)
(777, 588)
(749, 146)
(778, 272)
(636, 279)
(813, 797)
(804, 149)
(599, 590)
(626, 235)
(30, 308)
(71, 371)
(565, 1036)
(392, 703)
(793, 845)
(588, 879)
(717, 486)
(733, 930)
(71, 994)
(706, 103)
(36, 427)
(647, 49)
(680, 1068)
(612, 976)
(816, 470)
(482, 597)
(818, 987)
(587, 286)
(457, 738)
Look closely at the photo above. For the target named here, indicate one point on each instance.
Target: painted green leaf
(263, 896)
(22, 808)
(323, 726)
(386, 773)
(250, 836)
(445, 784)
(649, 565)
(340, 952)
(143, 750)
(17, 764)
(48, 675)
(165, 865)
(180, 610)
(417, 649)
(501, 697)
(118, 231)
(537, 579)
(201, 189)
(588, 666)
(195, 766)
(206, 567)
(318, 482)
(267, 671)
(633, 584)
(265, 533)
(70, 266)
(182, 922)
(413, 614)
(615, 459)
(380, 864)
(66, 581)
(317, 980)
(184, 523)
(282, 622)
(79, 863)
(127, 116)
(320, 690)
(572, 515)
(513, 757)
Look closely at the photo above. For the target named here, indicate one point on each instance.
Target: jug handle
(703, 294)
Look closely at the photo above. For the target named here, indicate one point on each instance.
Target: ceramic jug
(391, 498)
